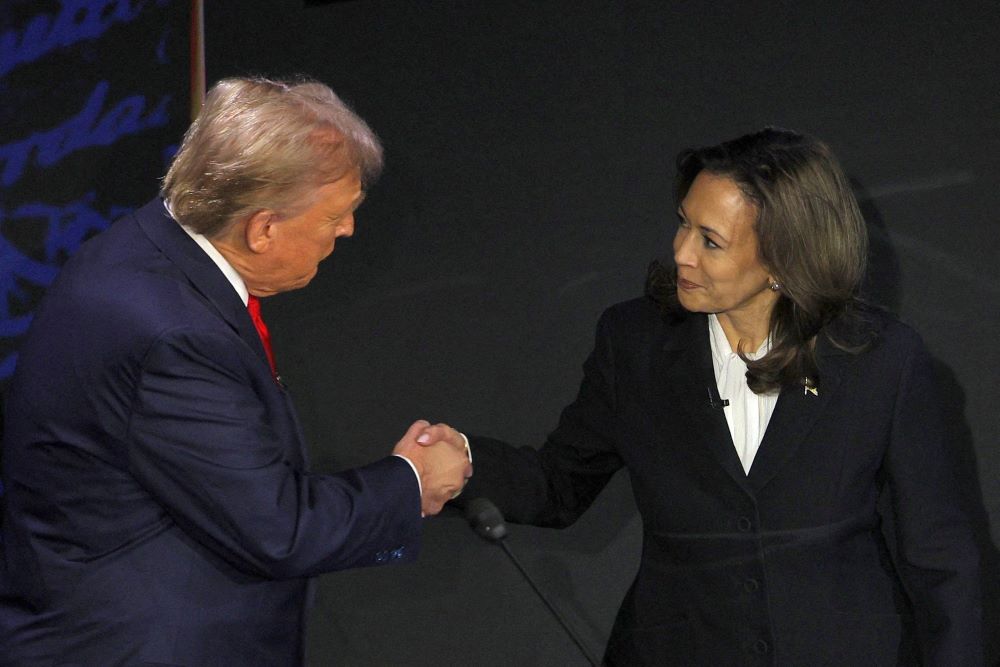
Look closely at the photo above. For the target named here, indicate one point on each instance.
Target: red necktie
(253, 307)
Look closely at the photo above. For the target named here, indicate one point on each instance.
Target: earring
(775, 287)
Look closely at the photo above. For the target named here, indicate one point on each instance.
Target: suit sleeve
(553, 486)
(201, 442)
(938, 558)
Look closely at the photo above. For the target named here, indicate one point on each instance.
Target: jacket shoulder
(878, 328)
(641, 325)
(635, 312)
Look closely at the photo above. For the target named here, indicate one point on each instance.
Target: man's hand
(438, 452)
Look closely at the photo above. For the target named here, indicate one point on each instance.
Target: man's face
(299, 243)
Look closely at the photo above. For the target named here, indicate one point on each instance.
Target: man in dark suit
(158, 504)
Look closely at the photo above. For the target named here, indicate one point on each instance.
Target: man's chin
(299, 283)
(277, 288)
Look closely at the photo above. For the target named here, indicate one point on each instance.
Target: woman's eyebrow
(705, 229)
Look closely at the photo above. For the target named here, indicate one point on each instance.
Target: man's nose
(346, 228)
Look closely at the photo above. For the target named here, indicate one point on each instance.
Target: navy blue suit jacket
(786, 565)
(158, 505)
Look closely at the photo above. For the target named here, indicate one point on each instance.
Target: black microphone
(714, 400)
(487, 520)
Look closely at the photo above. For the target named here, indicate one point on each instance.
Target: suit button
(751, 585)
(761, 647)
(744, 524)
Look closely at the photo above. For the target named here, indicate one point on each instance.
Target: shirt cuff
(468, 450)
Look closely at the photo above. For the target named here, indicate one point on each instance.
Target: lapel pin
(809, 387)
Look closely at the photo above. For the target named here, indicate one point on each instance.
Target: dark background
(530, 152)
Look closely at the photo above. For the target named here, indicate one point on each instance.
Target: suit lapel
(200, 270)
(684, 379)
(795, 414)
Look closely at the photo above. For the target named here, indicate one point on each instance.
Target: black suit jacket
(159, 506)
(786, 565)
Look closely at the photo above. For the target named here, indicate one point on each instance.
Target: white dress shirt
(747, 413)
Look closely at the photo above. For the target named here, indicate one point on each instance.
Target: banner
(94, 102)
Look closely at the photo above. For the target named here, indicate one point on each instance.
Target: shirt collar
(722, 351)
(227, 269)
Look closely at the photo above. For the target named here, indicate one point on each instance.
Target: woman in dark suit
(762, 410)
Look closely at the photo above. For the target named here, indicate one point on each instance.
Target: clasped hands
(441, 458)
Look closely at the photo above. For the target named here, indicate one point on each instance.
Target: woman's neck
(750, 329)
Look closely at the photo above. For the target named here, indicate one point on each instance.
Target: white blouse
(747, 413)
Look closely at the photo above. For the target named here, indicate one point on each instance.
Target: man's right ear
(259, 231)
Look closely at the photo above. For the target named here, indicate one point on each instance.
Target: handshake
(441, 459)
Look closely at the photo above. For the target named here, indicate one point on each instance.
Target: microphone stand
(545, 599)
(488, 523)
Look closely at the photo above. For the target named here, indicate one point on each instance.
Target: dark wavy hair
(811, 236)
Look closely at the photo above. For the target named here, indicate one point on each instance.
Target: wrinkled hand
(439, 455)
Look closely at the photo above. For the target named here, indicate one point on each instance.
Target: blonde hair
(259, 144)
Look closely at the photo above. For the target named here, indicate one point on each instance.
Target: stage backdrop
(530, 152)
(94, 95)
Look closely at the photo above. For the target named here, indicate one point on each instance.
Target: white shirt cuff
(468, 450)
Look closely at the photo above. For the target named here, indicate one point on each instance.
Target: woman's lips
(686, 284)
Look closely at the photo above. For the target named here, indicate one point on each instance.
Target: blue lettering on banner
(76, 21)
(100, 121)
(86, 129)
(67, 228)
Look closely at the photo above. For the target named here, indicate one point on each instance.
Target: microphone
(714, 400)
(487, 520)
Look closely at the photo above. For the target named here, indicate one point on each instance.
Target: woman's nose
(684, 253)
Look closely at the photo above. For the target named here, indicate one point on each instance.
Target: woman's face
(715, 249)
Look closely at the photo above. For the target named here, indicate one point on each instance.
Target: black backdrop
(529, 158)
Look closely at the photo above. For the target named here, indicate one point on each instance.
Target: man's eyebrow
(355, 203)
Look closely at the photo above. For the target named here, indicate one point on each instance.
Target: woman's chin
(689, 302)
